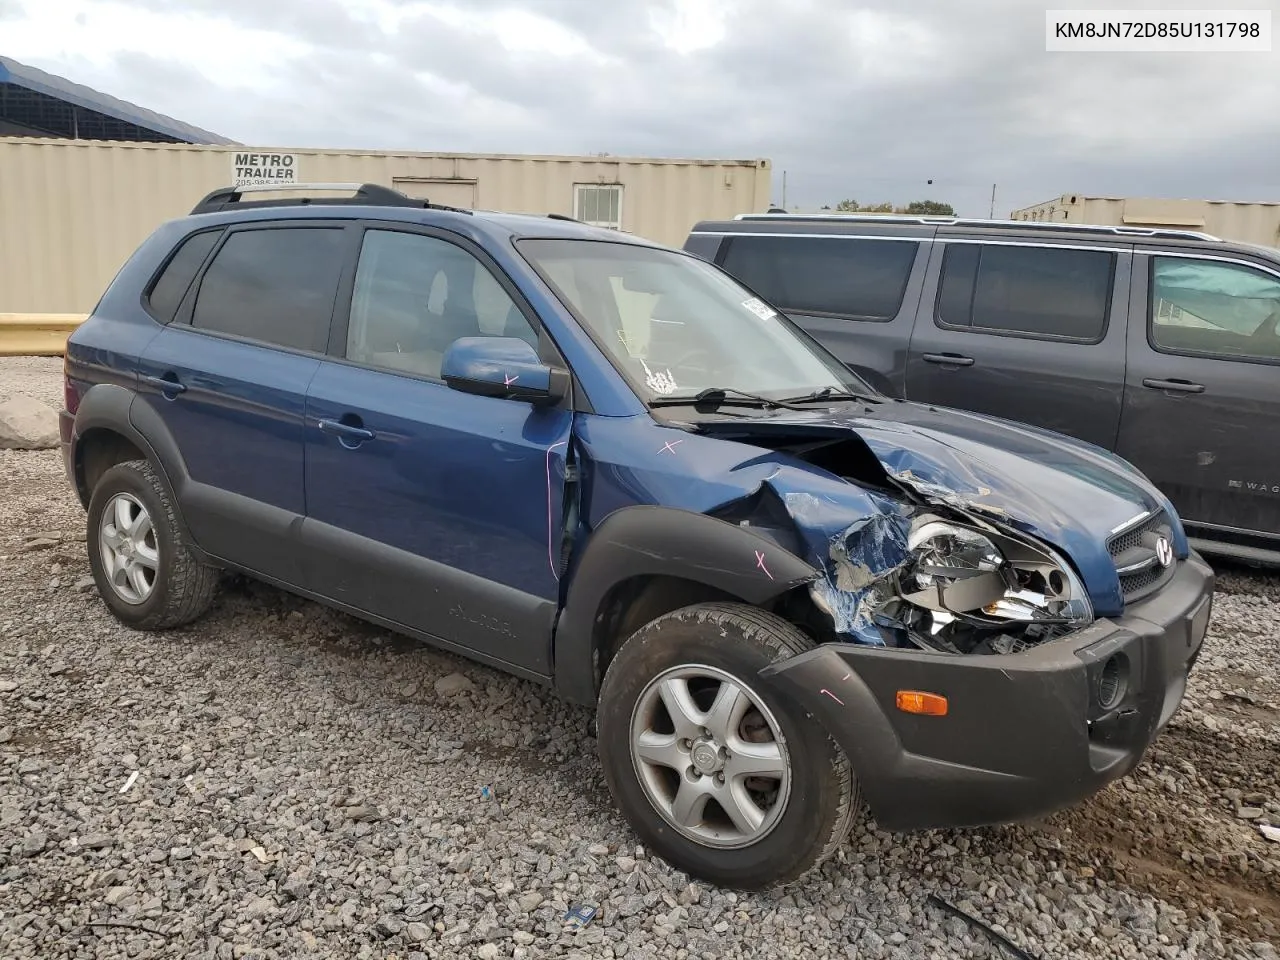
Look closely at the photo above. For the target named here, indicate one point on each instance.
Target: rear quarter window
(853, 278)
(165, 294)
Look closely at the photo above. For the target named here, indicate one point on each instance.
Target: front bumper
(1025, 734)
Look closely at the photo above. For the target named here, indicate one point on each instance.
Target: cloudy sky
(867, 99)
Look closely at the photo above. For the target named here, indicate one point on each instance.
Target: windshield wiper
(718, 396)
(831, 393)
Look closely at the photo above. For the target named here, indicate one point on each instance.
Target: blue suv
(607, 466)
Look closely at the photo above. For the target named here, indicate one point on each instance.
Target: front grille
(1136, 558)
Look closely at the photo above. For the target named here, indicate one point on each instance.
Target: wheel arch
(112, 427)
(644, 561)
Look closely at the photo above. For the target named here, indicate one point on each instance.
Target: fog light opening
(1111, 683)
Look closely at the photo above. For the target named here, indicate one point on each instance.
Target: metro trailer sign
(263, 169)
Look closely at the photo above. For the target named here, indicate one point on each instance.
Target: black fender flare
(110, 406)
(662, 541)
(113, 407)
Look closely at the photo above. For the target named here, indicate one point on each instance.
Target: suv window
(273, 285)
(414, 295)
(172, 283)
(1209, 307)
(1038, 291)
(839, 276)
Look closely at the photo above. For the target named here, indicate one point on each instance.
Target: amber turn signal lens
(926, 704)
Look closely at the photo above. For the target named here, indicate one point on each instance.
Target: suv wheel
(140, 558)
(722, 779)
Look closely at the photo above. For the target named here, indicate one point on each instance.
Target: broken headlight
(965, 585)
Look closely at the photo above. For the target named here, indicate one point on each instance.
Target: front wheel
(721, 778)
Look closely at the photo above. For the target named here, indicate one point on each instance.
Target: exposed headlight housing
(965, 584)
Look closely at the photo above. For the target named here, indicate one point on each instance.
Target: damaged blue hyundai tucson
(606, 466)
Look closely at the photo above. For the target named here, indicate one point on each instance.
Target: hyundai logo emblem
(1164, 551)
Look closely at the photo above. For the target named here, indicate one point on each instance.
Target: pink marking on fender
(508, 381)
(846, 676)
(670, 446)
(760, 564)
(832, 696)
(551, 559)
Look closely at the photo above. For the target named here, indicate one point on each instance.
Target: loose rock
(453, 685)
(27, 424)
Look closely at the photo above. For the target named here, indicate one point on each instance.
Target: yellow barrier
(36, 334)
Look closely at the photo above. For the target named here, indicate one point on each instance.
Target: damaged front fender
(906, 573)
(651, 541)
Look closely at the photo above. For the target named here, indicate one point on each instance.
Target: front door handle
(948, 359)
(1177, 386)
(166, 385)
(348, 432)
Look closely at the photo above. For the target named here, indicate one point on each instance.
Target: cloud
(865, 99)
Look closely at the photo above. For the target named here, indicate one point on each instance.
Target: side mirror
(501, 367)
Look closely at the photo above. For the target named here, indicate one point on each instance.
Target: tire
(699, 650)
(165, 586)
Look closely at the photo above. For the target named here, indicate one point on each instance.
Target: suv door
(1026, 331)
(1202, 400)
(444, 516)
(228, 377)
(855, 294)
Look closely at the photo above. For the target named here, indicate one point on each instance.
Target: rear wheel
(141, 561)
(715, 772)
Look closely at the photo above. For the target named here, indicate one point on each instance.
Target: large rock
(27, 424)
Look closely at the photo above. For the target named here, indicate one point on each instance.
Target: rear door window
(854, 278)
(1214, 308)
(273, 285)
(1047, 292)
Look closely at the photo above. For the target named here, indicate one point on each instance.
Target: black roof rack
(365, 194)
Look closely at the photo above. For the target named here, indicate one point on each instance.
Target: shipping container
(71, 211)
(1243, 222)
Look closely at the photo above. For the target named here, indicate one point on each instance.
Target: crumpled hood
(1070, 494)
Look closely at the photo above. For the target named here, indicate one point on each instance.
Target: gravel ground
(281, 780)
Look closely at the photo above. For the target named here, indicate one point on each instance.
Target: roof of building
(45, 91)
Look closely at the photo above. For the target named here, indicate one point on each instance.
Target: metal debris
(999, 939)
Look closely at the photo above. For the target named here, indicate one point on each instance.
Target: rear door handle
(345, 431)
(948, 359)
(164, 384)
(1177, 386)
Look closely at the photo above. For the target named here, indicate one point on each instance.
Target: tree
(929, 208)
(916, 208)
(852, 206)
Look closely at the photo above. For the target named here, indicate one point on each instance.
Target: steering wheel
(699, 358)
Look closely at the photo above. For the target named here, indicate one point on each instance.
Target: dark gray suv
(1158, 345)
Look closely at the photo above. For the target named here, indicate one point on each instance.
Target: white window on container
(599, 204)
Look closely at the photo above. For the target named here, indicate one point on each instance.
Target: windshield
(675, 325)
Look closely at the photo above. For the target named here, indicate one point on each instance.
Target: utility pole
(993, 202)
(784, 189)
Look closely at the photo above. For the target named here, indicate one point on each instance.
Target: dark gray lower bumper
(66, 434)
(1025, 734)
